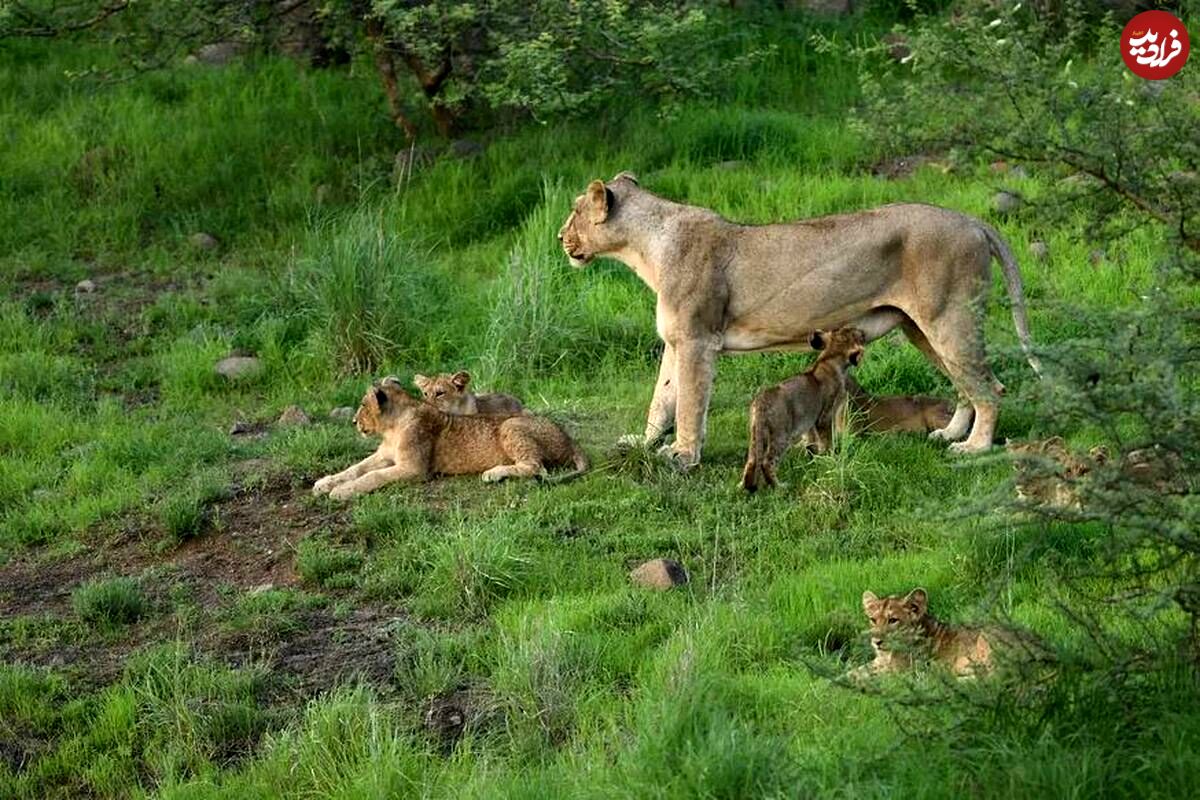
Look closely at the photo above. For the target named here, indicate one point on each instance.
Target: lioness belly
(746, 337)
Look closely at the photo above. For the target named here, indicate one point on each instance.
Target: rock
(261, 588)
(342, 413)
(1039, 250)
(293, 416)
(897, 46)
(241, 428)
(1019, 172)
(660, 574)
(1078, 180)
(824, 6)
(729, 165)
(85, 286)
(465, 148)
(218, 54)
(204, 241)
(235, 367)
(1006, 202)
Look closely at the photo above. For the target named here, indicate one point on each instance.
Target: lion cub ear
(856, 357)
(597, 201)
(460, 379)
(627, 175)
(917, 601)
(421, 382)
(870, 602)
(381, 398)
(817, 341)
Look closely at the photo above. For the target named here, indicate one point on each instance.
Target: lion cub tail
(580, 461)
(753, 473)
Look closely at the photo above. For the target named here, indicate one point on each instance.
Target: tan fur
(449, 393)
(903, 633)
(911, 413)
(420, 441)
(808, 404)
(1050, 474)
(724, 287)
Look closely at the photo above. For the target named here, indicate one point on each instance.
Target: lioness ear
(870, 602)
(421, 382)
(817, 341)
(460, 379)
(917, 601)
(597, 201)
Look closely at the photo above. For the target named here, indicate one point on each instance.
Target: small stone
(1039, 250)
(235, 367)
(293, 415)
(261, 588)
(85, 286)
(730, 165)
(218, 54)
(342, 413)
(1006, 202)
(241, 428)
(204, 241)
(465, 148)
(660, 574)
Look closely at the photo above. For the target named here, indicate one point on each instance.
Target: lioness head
(848, 342)
(896, 622)
(379, 405)
(447, 392)
(592, 228)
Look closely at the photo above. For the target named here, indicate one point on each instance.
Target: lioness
(449, 393)
(913, 413)
(420, 441)
(904, 632)
(724, 287)
(805, 405)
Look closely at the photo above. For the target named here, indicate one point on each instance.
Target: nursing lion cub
(903, 633)
(806, 404)
(420, 441)
(911, 413)
(449, 393)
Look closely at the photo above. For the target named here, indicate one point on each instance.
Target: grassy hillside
(179, 617)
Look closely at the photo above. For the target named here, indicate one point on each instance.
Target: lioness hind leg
(958, 341)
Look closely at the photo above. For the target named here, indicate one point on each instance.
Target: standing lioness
(420, 441)
(723, 287)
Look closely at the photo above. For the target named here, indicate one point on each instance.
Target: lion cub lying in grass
(449, 393)
(903, 632)
(911, 413)
(806, 404)
(420, 441)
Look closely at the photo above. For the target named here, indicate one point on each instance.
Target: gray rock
(235, 367)
(342, 413)
(204, 241)
(242, 428)
(85, 286)
(729, 165)
(1006, 202)
(293, 416)
(218, 54)
(824, 6)
(1039, 250)
(897, 45)
(465, 148)
(659, 574)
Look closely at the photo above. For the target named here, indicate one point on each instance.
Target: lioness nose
(877, 642)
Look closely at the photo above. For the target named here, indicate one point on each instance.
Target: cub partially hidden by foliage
(907, 413)
(806, 404)
(420, 441)
(449, 393)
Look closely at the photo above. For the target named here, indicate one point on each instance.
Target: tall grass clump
(109, 603)
(369, 293)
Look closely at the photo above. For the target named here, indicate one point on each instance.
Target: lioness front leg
(695, 367)
(371, 462)
(375, 479)
(660, 420)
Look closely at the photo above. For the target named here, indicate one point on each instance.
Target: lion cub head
(897, 627)
(380, 406)
(594, 226)
(447, 392)
(848, 343)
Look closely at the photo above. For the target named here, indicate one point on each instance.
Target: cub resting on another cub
(449, 393)
(420, 441)
(806, 404)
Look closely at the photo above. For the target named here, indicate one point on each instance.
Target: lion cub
(1051, 474)
(420, 441)
(806, 403)
(912, 413)
(449, 393)
(904, 632)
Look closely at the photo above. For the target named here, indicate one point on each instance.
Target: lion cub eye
(893, 620)
(439, 393)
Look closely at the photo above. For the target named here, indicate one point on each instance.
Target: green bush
(111, 602)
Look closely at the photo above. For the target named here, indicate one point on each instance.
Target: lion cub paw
(494, 475)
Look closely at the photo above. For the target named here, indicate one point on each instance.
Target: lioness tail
(1016, 291)
(753, 472)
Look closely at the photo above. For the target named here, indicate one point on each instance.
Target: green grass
(113, 427)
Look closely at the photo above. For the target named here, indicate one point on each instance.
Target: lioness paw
(342, 492)
(682, 460)
(967, 448)
(323, 486)
(631, 441)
